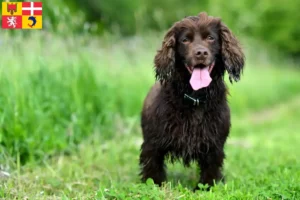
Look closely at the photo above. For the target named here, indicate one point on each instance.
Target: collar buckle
(193, 101)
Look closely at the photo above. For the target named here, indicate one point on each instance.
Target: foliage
(52, 98)
(273, 22)
(70, 105)
(69, 120)
(262, 162)
(270, 21)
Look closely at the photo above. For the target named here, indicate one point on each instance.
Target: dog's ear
(165, 57)
(232, 54)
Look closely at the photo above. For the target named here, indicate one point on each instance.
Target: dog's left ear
(232, 54)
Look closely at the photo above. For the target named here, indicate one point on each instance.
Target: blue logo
(33, 19)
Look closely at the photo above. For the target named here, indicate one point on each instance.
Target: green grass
(69, 122)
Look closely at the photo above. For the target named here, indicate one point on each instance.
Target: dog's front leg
(211, 168)
(152, 164)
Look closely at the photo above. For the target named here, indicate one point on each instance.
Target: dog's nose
(201, 52)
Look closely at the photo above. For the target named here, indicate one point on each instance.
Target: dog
(185, 115)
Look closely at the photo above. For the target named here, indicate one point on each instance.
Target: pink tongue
(200, 78)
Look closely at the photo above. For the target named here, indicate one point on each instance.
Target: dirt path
(269, 114)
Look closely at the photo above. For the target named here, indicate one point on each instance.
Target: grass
(69, 124)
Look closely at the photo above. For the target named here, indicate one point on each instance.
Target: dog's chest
(187, 135)
(187, 128)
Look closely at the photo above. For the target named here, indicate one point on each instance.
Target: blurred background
(272, 22)
(75, 89)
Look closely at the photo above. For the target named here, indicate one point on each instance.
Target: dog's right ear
(165, 57)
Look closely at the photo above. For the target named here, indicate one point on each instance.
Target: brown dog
(186, 115)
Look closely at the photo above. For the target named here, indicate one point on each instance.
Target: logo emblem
(33, 19)
(22, 15)
(11, 8)
(12, 21)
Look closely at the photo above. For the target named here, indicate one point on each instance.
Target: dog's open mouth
(200, 75)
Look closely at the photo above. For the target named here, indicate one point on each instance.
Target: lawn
(69, 122)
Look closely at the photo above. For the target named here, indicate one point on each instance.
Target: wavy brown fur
(177, 130)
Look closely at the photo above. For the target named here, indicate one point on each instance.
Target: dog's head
(197, 47)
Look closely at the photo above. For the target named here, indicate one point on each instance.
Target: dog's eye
(211, 38)
(185, 40)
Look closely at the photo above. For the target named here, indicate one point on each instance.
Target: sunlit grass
(69, 111)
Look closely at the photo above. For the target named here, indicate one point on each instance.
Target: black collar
(194, 101)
